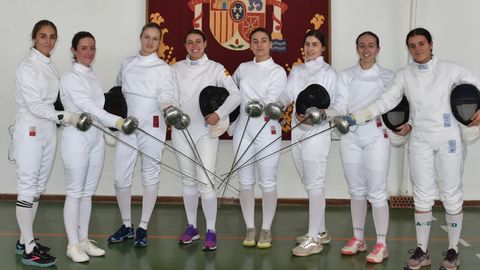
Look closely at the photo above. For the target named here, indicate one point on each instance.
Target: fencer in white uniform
(35, 136)
(261, 79)
(192, 75)
(148, 86)
(435, 145)
(83, 152)
(365, 151)
(310, 155)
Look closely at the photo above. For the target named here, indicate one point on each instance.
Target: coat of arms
(232, 21)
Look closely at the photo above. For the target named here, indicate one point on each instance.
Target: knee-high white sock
(124, 200)
(454, 229)
(316, 213)
(190, 202)
(71, 213)
(247, 204)
(24, 215)
(423, 223)
(209, 206)
(269, 206)
(380, 219)
(34, 213)
(359, 214)
(84, 217)
(150, 194)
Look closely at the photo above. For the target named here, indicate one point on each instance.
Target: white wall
(116, 25)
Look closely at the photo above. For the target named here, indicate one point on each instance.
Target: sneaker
(190, 234)
(418, 259)
(210, 242)
(307, 248)
(38, 258)
(265, 239)
(450, 261)
(90, 249)
(19, 248)
(249, 240)
(76, 253)
(323, 238)
(354, 246)
(378, 254)
(140, 237)
(121, 234)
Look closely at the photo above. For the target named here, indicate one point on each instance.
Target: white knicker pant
(82, 154)
(365, 159)
(207, 149)
(35, 147)
(436, 160)
(267, 168)
(310, 156)
(126, 157)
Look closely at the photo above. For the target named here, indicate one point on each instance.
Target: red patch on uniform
(385, 134)
(32, 132)
(156, 121)
(379, 122)
(273, 130)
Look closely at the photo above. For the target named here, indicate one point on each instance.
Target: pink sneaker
(354, 246)
(210, 242)
(378, 254)
(190, 234)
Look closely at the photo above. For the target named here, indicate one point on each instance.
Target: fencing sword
(254, 108)
(132, 119)
(179, 152)
(182, 124)
(341, 123)
(313, 116)
(194, 149)
(273, 111)
(288, 146)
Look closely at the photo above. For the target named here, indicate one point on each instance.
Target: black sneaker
(38, 258)
(140, 238)
(418, 259)
(19, 248)
(450, 261)
(121, 234)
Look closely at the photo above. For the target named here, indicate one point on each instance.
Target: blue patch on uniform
(452, 146)
(447, 120)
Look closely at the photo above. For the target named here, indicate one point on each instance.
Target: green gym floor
(168, 221)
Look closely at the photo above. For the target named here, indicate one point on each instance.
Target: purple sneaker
(210, 242)
(190, 234)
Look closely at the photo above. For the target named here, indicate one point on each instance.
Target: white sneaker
(354, 246)
(323, 238)
(90, 249)
(307, 248)
(76, 253)
(378, 254)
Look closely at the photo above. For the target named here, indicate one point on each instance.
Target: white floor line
(478, 255)
(461, 241)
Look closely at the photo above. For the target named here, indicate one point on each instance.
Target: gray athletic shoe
(323, 238)
(450, 261)
(307, 248)
(249, 240)
(265, 240)
(417, 260)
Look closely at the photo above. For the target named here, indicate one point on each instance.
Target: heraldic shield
(232, 21)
